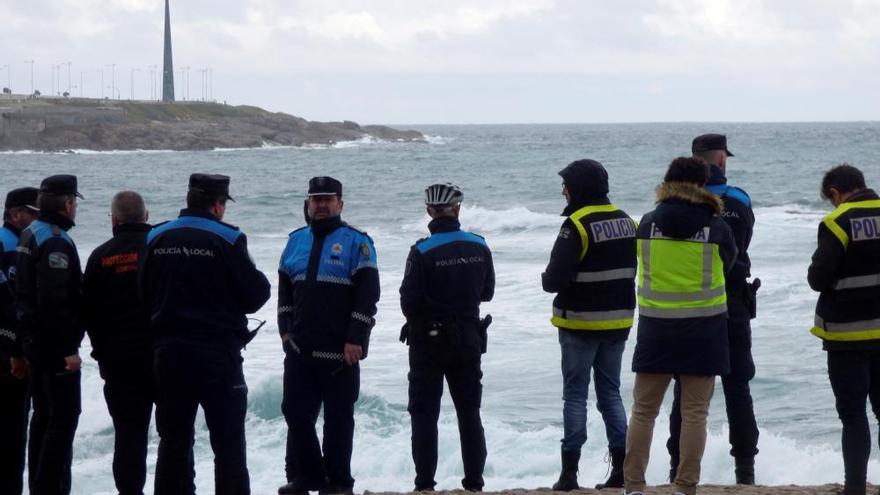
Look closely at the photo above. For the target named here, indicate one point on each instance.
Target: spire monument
(168, 70)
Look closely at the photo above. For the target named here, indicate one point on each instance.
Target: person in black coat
(20, 210)
(743, 429)
(121, 342)
(845, 270)
(684, 249)
(448, 274)
(48, 297)
(198, 283)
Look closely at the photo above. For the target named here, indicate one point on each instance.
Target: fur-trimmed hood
(690, 193)
(683, 209)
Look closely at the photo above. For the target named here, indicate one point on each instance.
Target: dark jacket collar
(863, 195)
(716, 176)
(131, 227)
(190, 212)
(12, 228)
(58, 219)
(577, 205)
(444, 224)
(324, 226)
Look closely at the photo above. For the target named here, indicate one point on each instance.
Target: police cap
(60, 185)
(710, 142)
(23, 197)
(210, 185)
(325, 186)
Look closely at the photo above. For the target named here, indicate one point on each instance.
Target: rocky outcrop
(157, 126)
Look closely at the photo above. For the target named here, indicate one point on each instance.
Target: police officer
(447, 275)
(846, 272)
(198, 281)
(20, 210)
(327, 294)
(592, 267)
(743, 429)
(48, 293)
(121, 343)
(684, 250)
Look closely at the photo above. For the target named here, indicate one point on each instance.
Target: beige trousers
(696, 392)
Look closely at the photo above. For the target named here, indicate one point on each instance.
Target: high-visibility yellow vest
(857, 226)
(680, 278)
(618, 229)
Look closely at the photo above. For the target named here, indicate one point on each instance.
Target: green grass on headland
(143, 112)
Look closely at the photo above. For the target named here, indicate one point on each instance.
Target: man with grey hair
(121, 343)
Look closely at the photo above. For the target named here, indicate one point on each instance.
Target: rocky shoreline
(60, 125)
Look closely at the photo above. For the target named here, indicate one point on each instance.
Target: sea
(512, 197)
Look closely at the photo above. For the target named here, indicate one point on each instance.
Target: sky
(466, 61)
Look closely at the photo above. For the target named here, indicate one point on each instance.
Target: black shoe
(423, 488)
(615, 478)
(300, 487)
(744, 470)
(331, 488)
(568, 478)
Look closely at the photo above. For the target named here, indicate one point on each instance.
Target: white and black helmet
(447, 194)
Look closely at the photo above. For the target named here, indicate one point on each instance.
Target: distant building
(168, 70)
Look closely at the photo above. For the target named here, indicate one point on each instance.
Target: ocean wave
(482, 220)
(439, 140)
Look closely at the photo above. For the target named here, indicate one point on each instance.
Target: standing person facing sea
(591, 269)
(448, 274)
(328, 287)
(684, 250)
(20, 210)
(845, 270)
(121, 342)
(197, 282)
(743, 429)
(48, 295)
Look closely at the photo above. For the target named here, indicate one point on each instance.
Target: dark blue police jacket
(328, 287)
(197, 282)
(447, 274)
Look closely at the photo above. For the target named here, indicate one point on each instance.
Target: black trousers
(14, 409)
(461, 367)
(743, 429)
(855, 378)
(57, 405)
(128, 390)
(187, 377)
(308, 386)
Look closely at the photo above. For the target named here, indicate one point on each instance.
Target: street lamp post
(68, 76)
(32, 74)
(112, 80)
(8, 68)
(131, 87)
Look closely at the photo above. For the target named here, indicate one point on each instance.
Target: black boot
(300, 486)
(745, 470)
(568, 479)
(615, 478)
(673, 469)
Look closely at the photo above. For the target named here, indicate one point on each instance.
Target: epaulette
(233, 227)
(161, 224)
(359, 231)
(297, 230)
(740, 195)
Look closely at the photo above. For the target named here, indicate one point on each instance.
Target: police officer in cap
(327, 294)
(845, 270)
(121, 343)
(591, 269)
(20, 211)
(48, 286)
(448, 274)
(198, 282)
(743, 429)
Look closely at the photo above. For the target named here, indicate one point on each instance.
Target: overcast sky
(466, 61)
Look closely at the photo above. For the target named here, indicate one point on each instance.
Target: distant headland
(60, 124)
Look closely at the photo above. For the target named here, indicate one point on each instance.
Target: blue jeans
(579, 356)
